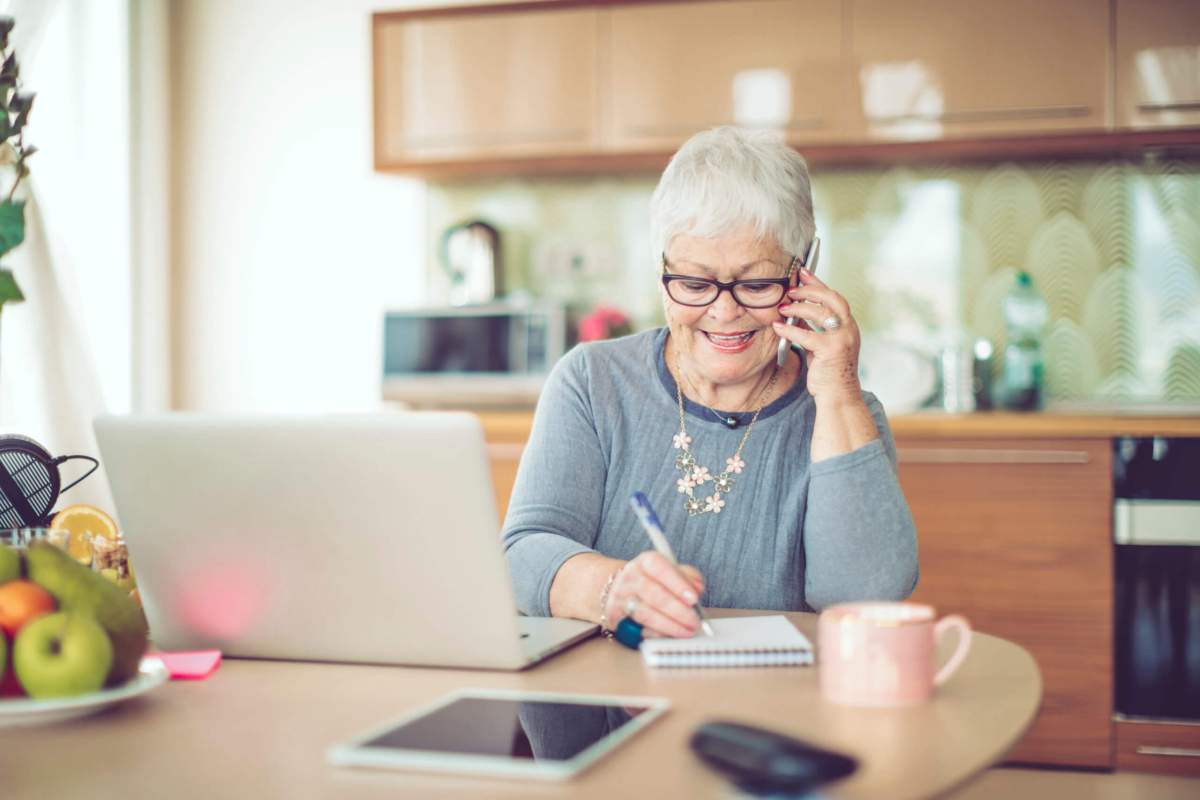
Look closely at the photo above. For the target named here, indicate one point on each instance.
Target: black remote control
(762, 761)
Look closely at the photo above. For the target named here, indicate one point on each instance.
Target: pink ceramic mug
(882, 654)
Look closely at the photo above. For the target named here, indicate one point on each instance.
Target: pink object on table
(190, 666)
(883, 654)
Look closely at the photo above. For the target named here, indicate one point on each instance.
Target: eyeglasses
(688, 290)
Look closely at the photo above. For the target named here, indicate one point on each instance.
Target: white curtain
(50, 385)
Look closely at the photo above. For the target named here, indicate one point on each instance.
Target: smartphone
(810, 263)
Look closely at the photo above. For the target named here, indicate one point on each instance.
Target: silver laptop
(363, 539)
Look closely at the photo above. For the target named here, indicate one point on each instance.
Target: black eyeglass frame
(668, 277)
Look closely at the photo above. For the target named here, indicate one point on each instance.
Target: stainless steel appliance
(1156, 524)
(496, 354)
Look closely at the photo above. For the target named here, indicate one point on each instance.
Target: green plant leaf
(12, 224)
(9, 291)
(20, 103)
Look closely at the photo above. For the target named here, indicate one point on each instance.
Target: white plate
(901, 377)
(14, 712)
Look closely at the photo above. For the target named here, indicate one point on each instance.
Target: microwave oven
(491, 354)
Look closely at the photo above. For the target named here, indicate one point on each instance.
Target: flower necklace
(695, 475)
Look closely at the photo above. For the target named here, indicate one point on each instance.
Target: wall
(286, 245)
(925, 255)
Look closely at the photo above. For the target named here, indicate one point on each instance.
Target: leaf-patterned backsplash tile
(925, 254)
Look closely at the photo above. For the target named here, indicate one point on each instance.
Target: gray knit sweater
(793, 535)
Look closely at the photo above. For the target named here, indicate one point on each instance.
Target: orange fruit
(83, 524)
(21, 602)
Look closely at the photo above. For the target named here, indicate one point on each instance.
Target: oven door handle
(1157, 522)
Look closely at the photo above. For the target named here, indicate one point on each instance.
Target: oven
(1156, 531)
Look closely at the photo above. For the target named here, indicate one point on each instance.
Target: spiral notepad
(739, 642)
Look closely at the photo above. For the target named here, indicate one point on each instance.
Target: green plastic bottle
(1025, 315)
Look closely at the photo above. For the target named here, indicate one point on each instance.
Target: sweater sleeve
(557, 499)
(859, 538)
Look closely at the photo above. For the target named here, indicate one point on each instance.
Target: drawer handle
(984, 114)
(954, 455)
(1177, 752)
(1183, 105)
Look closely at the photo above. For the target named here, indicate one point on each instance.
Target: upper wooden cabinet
(584, 85)
(679, 68)
(928, 69)
(492, 85)
(1158, 63)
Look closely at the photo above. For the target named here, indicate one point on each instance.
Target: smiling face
(724, 345)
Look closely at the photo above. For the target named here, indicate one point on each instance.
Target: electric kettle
(470, 254)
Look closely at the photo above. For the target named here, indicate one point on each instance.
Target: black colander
(30, 482)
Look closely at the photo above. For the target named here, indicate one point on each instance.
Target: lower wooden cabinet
(1015, 535)
(506, 433)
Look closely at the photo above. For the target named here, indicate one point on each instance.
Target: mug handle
(960, 653)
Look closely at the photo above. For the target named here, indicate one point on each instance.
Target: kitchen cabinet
(678, 68)
(464, 87)
(505, 433)
(928, 69)
(605, 85)
(1016, 536)
(1157, 63)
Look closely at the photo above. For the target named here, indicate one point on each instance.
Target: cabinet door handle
(957, 455)
(986, 114)
(525, 137)
(1176, 752)
(798, 124)
(1182, 105)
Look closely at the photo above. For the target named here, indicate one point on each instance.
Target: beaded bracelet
(608, 585)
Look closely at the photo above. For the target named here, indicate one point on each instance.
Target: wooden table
(260, 729)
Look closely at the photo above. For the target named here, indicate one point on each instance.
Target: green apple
(62, 655)
(10, 564)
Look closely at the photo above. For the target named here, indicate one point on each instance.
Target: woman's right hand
(659, 593)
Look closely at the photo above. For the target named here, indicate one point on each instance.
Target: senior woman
(777, 483)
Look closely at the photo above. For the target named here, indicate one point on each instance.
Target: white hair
(726, 178)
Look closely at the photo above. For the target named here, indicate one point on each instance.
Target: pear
(10, 564)
(77, 588)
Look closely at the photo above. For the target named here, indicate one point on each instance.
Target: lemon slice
(84, 524)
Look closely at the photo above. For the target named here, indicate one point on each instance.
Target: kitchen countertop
(1053, 424)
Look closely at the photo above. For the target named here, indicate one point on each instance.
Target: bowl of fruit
(73, 639)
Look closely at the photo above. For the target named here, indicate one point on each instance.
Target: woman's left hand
(832, 355)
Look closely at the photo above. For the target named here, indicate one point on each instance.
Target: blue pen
(646, 516)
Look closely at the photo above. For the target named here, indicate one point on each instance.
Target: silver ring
(631, 606)
(831, 323)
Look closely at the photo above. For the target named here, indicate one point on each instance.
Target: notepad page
(740, 641)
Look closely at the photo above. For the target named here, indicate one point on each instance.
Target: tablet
(504, 733)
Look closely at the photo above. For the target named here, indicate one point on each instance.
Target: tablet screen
(543, 735)
(524, 729)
